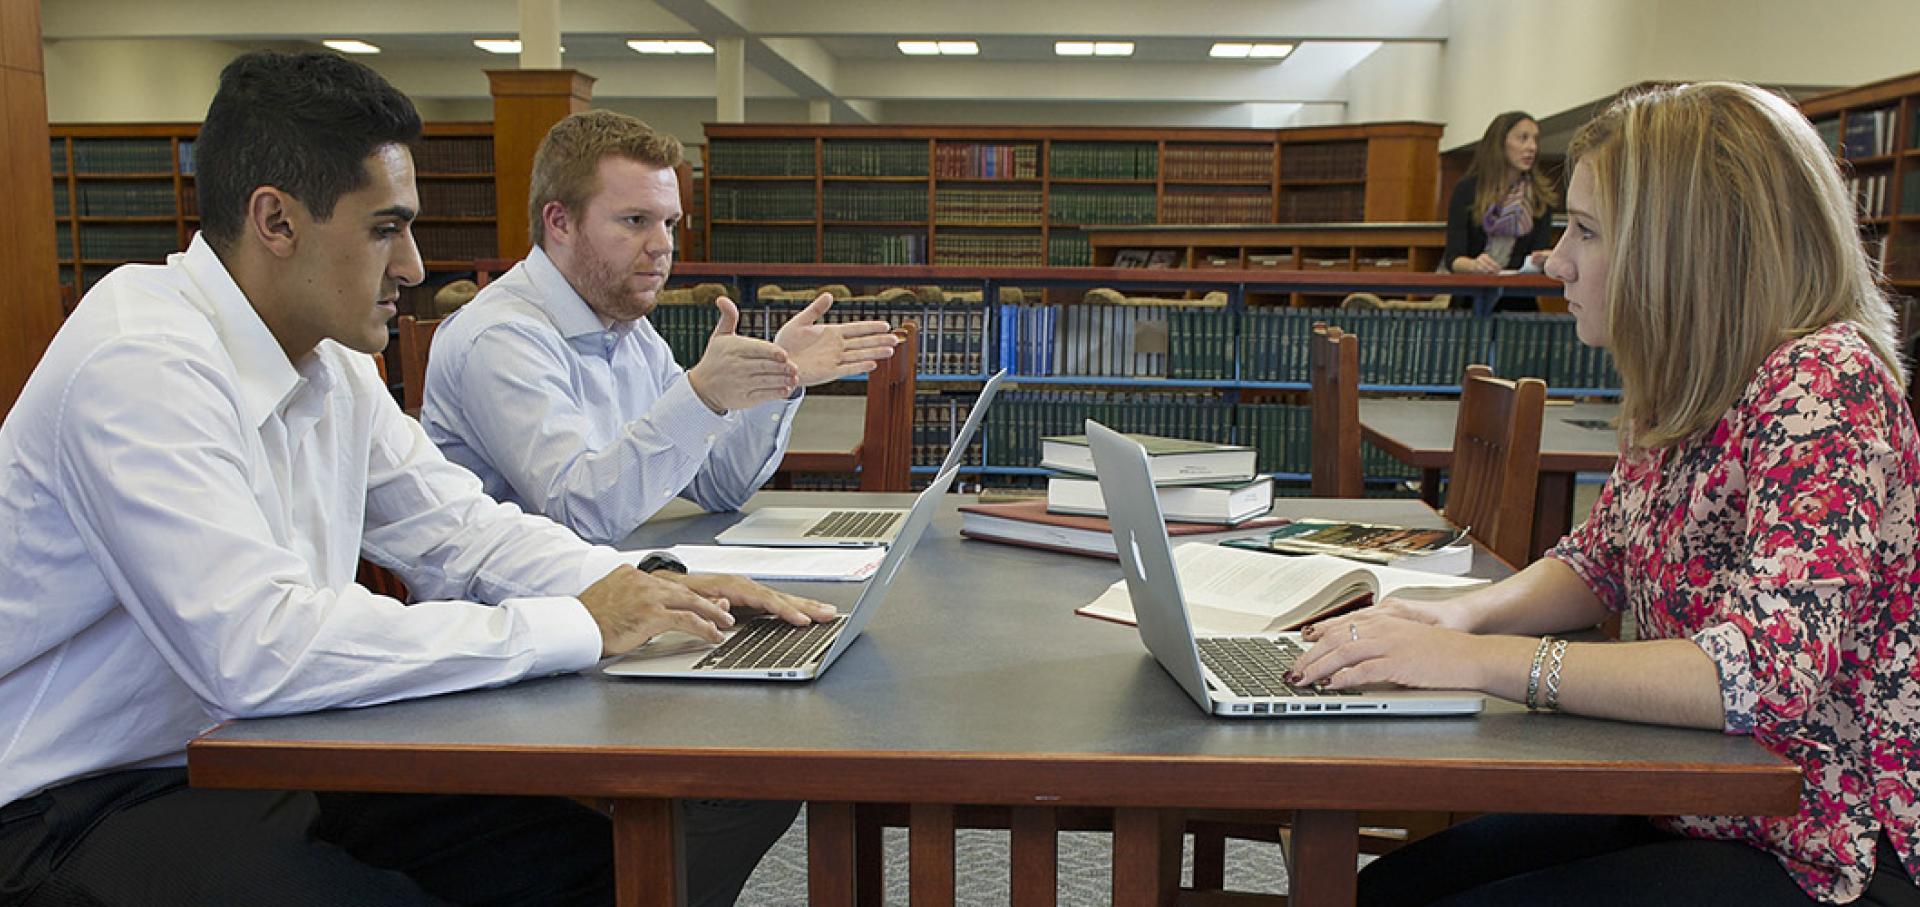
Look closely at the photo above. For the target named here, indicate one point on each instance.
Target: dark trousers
(144, 837)
(1571, 861)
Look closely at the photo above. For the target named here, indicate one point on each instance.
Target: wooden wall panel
(526, 103)
(30, 294)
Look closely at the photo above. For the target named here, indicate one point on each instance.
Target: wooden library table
(977, 685)
(1574, 438)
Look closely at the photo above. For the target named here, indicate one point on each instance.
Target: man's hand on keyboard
(745, 593)
(631, 607)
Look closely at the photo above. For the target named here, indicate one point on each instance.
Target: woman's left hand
(1369, 647)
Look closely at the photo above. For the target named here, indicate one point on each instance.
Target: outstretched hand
(826, 352)
(739, 372)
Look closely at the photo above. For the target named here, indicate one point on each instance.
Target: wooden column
(30, 294)
(526, 103)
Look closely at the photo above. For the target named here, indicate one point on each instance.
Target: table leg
(647, 865)
(1146, 857)
(870, 856)
(1430, 487)
(1324, 860)
(831, 855)
(1036, 854)
(930, 855)
(1552, 510)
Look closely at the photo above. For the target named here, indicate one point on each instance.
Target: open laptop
(768, 648)
(1240, 676)
(847, 527)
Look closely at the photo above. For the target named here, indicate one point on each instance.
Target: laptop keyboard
(855, 524)
(1257, 666)
(770, 643)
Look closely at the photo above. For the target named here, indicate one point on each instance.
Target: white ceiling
(841, 51)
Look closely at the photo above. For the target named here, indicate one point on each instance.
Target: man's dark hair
(302, 123)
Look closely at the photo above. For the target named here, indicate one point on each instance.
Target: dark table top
(976, 683)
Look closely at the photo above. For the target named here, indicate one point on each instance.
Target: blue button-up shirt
(590, 424)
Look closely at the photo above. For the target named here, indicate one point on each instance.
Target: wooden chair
(416, 337)
(1496, 461)
(1333, 361)
(883, 455)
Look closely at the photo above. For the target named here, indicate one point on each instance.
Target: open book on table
(1230, 590)
(1426, 550)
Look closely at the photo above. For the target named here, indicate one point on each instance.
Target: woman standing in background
(1500, 214)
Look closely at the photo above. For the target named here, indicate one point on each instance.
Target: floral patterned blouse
(1783, 541)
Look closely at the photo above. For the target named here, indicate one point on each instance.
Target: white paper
(809, 564)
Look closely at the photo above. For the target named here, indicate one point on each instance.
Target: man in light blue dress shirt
(555, 389)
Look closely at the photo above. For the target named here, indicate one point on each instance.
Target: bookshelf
(1027, 196)
(1874, 131)
(125, 193)
(1365, 248)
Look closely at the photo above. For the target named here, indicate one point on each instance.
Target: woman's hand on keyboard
(739, 591)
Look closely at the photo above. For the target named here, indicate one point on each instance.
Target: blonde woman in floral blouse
(1760, 526)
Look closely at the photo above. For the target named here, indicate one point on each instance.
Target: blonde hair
(1731, 233)
(1489, 169)
(566, 169)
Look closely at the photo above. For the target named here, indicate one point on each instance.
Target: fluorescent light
(691, 47)
(1270, 51)
(651, 47)
(958, 48)
(351, 46)
(1073, 48)
(1231, 51)
(1113, 49)
(919, 48)
(498, 45)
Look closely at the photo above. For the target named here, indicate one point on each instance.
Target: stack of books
(1203, 487)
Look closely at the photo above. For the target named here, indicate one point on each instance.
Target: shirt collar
(265, 376)
(554, 295)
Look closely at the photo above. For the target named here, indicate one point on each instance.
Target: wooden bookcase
(125, 193)
(1874, 131)
(1024, 196)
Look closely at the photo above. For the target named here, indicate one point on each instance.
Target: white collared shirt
(594, 426)
(182, 512)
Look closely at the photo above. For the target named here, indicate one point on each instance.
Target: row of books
(119, 156)
(883, 201)
(1103, 160)
(870, 247)
(123, 198)
(1218, 162)
(185, 153)
(135, 242)
(895, 158)
(1021, 417)
(985, 160)
(1869, 133)
(1323, 161)
(952, 337)
(1069, 250)
(453, 154)
(456, 242)
(760, 201)
(1901, 257)
(1217, 206)
(1282, 434)
(1101, 205)
(761, 244)
(1323, 204)
(456, 198)
(1869, 195)
(998, 250)
(954, 205)
(760, 157)
(937, 417)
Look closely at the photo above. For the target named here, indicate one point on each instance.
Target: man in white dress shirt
(555, 389)
(186, 485)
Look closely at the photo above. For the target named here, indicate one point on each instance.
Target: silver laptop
(846, 527)
(1241, 676)
(768, 648)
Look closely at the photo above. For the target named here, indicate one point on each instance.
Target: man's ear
(556, 220)
(270, 220)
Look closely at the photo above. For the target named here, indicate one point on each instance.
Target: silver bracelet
(1533, 676)
(1553, 674)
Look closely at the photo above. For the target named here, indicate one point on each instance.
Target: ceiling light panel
(919, 48)
(1073, 48)
(1113, 49)
(959, 48)
(498, 45)
(351, 46)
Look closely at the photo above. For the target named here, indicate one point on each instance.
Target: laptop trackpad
(781, 521)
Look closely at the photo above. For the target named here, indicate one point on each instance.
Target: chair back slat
(1496, 461)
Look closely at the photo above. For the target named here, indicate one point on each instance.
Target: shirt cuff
(682, 414)
(1739, 691)
(563, 635)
